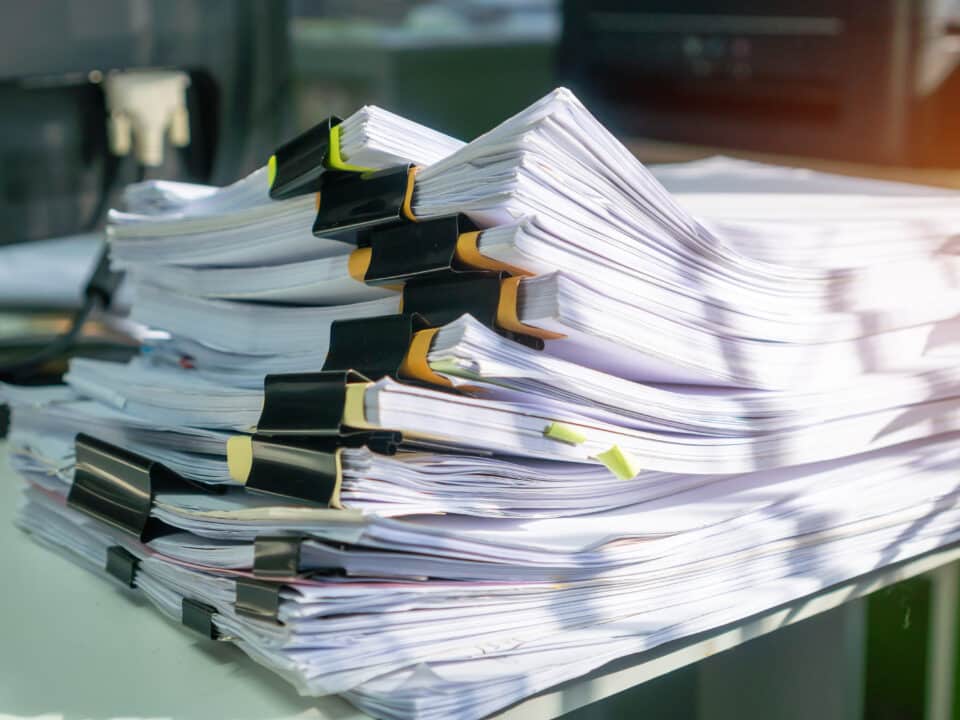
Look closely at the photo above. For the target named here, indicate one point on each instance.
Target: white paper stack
(704, 391)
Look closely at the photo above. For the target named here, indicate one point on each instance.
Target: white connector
(145, 105)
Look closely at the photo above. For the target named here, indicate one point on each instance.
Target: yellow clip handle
(240, 457)
(335, 160)
(335, 495)
(508, 317)
(407, 206)
(353, 411)
(359, 263)
(469, 254)
(415, 365)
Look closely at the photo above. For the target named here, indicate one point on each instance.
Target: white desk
(75, 646)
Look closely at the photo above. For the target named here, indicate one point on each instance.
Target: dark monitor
(874, 81)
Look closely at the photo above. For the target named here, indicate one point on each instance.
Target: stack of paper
(439, 425)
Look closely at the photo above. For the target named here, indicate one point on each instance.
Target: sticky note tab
(621, 463)
(240, 457)
(452, 367)
(271, 171)
(564, 433)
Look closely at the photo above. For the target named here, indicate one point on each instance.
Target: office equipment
(58, 60)
(50, 290)
(582, 418)
(99, 97)
(774, 77)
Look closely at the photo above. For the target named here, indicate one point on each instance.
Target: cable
(97, 294)
(111, 168)
(99, 290)
(57, 348)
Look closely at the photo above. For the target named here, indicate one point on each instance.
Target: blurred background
(867, 87)
(858, 81)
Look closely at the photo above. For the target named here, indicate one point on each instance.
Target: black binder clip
(309, 468)
(117, 487)
(445, 299)
(257, 599)
(350, 201)
(375, 347)
(296, 470)
(491, 298)
(277, 557)
(298, 167)
(198, 616)
(389, 345)
(296, 452)
(421, 250)
(305, 403)
(122, 564)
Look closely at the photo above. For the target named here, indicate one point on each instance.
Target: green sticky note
(621, 463)
(564, 433)
(452, 367)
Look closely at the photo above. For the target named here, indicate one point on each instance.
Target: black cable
(97, 294)
(57, 348)
(99, 289)
(111, 167)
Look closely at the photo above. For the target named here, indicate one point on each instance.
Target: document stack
(437, 426)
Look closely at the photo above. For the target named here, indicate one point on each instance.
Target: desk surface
(75, 646)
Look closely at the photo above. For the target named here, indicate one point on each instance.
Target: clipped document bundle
(439, 425)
